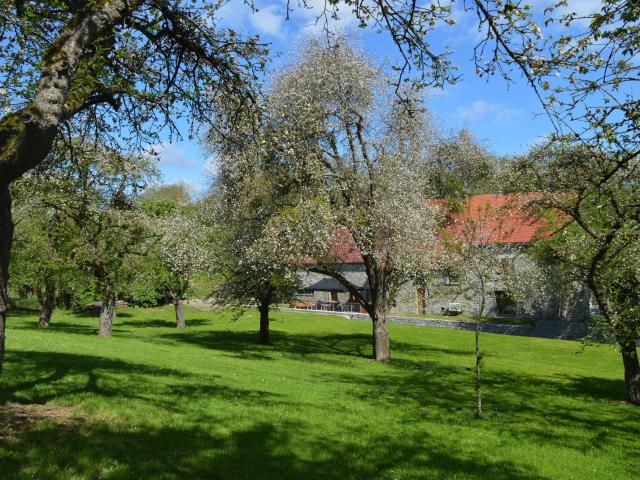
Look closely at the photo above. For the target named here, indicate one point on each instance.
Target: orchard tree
(585, 79)
(476, 258)
(38, 264)
(250, 191)
(40, 261)
(180, 248)
(95, 189)
(597, 223)
(184, 251)
(115, 72)
(359, 161)
(482, 262)
(247, 283)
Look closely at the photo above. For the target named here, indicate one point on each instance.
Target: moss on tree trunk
(48, 304)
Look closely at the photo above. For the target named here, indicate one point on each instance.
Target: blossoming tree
(249, 193)
(359, 160)
(184, 252)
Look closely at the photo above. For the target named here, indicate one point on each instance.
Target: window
(451, 279)
(334, 296)
(505, 305)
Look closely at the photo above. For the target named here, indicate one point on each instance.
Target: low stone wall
(543, 329)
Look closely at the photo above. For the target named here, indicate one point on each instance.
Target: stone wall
(442, 291)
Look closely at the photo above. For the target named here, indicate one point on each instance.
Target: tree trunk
(26, 136)
(6, 239)
(106, 315)
(478, 413)
(48, 304)
(264, 324)
(478, 367)
(381, 346)
(631, 371)
(179, 306)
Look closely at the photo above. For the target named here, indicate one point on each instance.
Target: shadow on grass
(245, 343)
(521, 407)
(262, 450)
(212, 445)
(119, 325)
(159, 323)
(428, 384)
(66, 327)
(209, 445)
(24, 312)
(54, 375)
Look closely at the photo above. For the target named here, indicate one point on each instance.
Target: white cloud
(313, 20)
(269, 20)
(583, 8)
(480, 109)
(171, 155)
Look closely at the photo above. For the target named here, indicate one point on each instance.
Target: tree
(584, 79)
(461, 167)
(179, 251)
(99, 69)
(481, 261)
(597, 233)
(40, 262)
(184, 252)
(355, 157)
(95, 189)
(248, 194)
(476, 258)
(247, 284)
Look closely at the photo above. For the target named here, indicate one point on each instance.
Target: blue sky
(506, 118)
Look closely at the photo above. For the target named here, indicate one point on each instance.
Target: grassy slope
(210, 403)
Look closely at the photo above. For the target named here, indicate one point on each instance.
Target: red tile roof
(497, 219)
(343, 247)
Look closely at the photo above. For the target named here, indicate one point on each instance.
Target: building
(494, 223)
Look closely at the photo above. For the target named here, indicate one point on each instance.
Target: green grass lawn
(209, 403)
